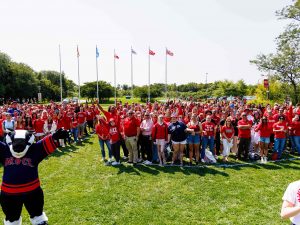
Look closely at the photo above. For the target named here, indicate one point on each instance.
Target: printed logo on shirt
(298, 195)
(15, 161)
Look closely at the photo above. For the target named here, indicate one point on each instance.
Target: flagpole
(166, 75)
(78, 75)
(97, 94)
(60, 73)
(131, 73)
(115, 77)
(149, 75)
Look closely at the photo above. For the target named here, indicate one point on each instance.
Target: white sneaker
(147, 162)
(202, 160)
(109, 160)
(115, 163)
(266, 159)
(262, 159)
(125, 158)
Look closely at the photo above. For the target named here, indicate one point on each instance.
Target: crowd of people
(173, 131)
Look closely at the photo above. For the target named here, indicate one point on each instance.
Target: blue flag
(97, 53)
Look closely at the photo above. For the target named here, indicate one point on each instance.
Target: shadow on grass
(155, 170)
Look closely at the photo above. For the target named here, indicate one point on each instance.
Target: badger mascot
(20, 158)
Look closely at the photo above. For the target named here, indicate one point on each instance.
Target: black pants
(218, 142)
(146, 147)
(125, 150)
(12, 204)
(115, 149)
(244, 147)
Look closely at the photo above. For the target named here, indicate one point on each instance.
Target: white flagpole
(78, 75)
(166, 75)
(131, 73)
(60, 74)
(115, 83)
(97, 94)
(149, 75)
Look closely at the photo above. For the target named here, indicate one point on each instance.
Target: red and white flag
(116, 56)
(168, 52)
(151, 52)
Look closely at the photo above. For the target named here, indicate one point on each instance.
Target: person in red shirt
(102, 130)
(296, 132)
(160, 137)
(194, 138)
(1, 130)
(38, 127)
(265, 129)
(227, 132)
(81, 117)
(114, 139)
(279, 129)
(208, 131)
(90, 114)
(244, 129)
(131, 128)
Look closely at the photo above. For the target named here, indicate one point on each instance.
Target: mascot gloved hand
(20, 158)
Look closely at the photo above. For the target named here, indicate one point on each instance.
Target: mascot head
(19, 142)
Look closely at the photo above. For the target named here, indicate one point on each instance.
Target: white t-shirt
(292, 195)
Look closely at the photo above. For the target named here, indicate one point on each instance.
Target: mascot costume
(20, 158)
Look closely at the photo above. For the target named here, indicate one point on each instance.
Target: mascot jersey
(20, 175)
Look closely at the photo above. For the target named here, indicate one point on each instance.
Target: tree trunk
(295, 92)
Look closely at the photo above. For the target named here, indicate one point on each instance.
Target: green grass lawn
(79, 189)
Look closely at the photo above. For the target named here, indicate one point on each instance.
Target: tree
(285, 63)
(89, 90)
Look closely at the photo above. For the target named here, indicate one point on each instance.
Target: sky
(213, 37)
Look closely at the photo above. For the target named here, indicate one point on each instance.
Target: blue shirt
(177, 131)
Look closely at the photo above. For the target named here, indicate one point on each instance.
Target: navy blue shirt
(177, 131)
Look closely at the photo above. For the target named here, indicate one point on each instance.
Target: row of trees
(18, 80)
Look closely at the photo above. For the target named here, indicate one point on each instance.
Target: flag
(133, 52)
(116, 56)
(151, 52)
(168, 52)
(78, 52)
(97, 53)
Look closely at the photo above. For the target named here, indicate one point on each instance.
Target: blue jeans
(154, 153)
(107, 143)
(279, 144)
(210, 141)
(74, 132)
(296, 140)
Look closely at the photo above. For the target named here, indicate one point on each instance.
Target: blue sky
(217, 37)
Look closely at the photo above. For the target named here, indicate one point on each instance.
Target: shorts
(160, 142)
(179, 142)
(265, 140)
(39, 134)
(193, 139)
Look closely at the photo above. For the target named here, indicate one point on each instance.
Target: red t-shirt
(67, 122)
(130, 126)
(102, 131)
(38, 126)
(114, 134)
(264, 131)
(90, 115)
(227, 131)
(278, 126)
(1, 131)
(160, 131)
(81, 117)
(244, 133)
(296, 128)
(208, 129)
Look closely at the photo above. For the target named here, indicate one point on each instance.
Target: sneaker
(125, 158)
(266, 159)
(262, 159)
(115, 163)
(147, 162)
(110, 160)
(216, 157)
(202, 160)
